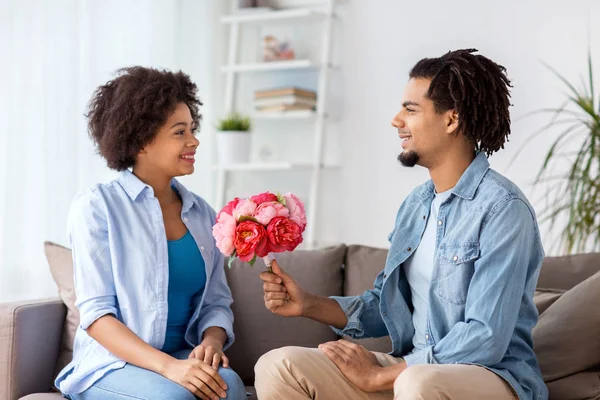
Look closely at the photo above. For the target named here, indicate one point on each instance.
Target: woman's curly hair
(125, 113)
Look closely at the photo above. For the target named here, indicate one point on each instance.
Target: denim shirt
(487, 261)
(121, 267)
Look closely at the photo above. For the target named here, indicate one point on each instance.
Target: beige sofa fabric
(567, 336)
(61, 268)
(30, 335)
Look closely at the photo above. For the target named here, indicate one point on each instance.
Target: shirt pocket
(456, 268)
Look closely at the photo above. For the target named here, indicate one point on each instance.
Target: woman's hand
(196, 376)
(211, 352)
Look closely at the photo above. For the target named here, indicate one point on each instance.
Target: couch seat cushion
(257, 330)
(566, 336)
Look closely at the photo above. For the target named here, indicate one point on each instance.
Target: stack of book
(284, 99)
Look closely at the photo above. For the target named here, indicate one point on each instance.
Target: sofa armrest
(30, 336)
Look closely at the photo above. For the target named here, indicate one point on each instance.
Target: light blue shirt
(121, 268)
(419, 268)
(487, 262)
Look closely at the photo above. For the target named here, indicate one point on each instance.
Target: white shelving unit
(269, 66)
(322, 14)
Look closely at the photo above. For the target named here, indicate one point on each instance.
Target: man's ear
(451, 121)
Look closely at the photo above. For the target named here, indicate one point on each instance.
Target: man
(456, 293)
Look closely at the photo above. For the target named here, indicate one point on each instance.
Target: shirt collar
(469, 181)
(132, 184)
(134, 187)
(467, 184)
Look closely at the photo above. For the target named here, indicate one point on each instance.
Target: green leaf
(591, 76)
(231, 258)
(234, 122)
(573, 200)
(281, 199)
(251, 262)
(247, 218)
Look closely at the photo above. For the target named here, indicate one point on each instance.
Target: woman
(151, 289)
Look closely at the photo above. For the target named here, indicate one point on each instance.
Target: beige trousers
(298, 373)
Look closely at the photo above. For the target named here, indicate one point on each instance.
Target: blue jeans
(131, 382)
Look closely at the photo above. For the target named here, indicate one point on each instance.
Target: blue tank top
(187, 279)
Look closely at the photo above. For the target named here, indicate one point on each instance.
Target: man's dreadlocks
(477, 88)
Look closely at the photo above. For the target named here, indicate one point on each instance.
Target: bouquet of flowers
(262, 224)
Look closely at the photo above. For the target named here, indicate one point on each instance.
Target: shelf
(266, 166)
(278, 115)
(269, 66)
(274, 16)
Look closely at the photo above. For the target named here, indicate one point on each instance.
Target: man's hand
(358, 364)
(211, 352)
(283, 296)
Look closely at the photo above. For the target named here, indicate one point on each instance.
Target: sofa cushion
(567, 271)
(61, 268)
(584, 385)
(257, 330)
(43, 396)
(544, 298)
(362, 265)
(566, 336)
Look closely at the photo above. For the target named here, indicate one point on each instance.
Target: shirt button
(201, 248)
(185, 219)
(424, 217)
(455, 258)
(426, 337)
(385, 275)
(409, 249)
(440, 222)
(384, 314)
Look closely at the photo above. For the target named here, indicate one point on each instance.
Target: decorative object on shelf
(284, 99)
(247, 3)
(275, 50)
(265, 154)
(233, 139)
(262, 224)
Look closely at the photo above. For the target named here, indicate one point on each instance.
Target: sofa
(36, 336)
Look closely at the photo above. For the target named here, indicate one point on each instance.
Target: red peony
(228, 209)
(250, 241)
(263, 198)
(283, 234)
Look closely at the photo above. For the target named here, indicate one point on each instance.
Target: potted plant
(573, 198)
(233, 139)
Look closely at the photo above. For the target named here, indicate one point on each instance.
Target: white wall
(375, 44)
(54, 55)
(382, 39)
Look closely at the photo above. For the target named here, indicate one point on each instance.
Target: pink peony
(245, 208)
(228, 209)
(263, 198)
(250, 240)
(224, 234)
(283, 234)
(267, 211)
(297, 213)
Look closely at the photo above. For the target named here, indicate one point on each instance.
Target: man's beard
(408, 158)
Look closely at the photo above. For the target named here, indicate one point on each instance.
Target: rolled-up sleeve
(216, 310)
(92, 268)
(363, 314)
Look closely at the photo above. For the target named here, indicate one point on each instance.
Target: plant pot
(233, 147)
